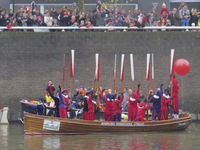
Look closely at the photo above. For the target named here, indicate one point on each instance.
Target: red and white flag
(122, 67)
(152, 66)
(132, 67)
(115, 66)
(97, 67)
(172, 62)
(72, 64)
(148, 67)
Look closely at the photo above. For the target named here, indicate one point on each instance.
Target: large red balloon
(182, 67)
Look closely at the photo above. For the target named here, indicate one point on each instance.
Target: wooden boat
(45, 125)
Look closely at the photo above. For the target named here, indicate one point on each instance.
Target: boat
(47, 125)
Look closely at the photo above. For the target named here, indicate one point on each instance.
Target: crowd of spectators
(100, 16)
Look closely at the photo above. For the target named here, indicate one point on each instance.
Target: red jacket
(90, 104)
(175, 87)
(108, 110)
(9, 26)
(66, 101)
(116, 105)
(164, 9)
(164, 102)
(141, 111)
(134, 100)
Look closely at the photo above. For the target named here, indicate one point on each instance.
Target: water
(12, 138)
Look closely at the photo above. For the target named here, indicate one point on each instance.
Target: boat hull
(45, 125)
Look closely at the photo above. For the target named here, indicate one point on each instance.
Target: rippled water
(12, 138)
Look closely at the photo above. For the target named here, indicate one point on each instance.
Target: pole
(114, 73)
(133, 86)
(153, 73)
(70, 92)
(132, 71)
(148, 77)
(153, 86)
(121, 86)
(98, 92)
(63, 83)
(94, 84)
(114, 87)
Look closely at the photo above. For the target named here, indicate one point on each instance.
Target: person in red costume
(90, 106)
(142, 110)
(63, 102)
(165, 101)
(133, 108)
(116, 107)
(50, 84)
(164, 9)
(176, 98)
(108, 111)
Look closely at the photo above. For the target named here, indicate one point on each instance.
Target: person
(54, 14)
(142, 98)
(156, 99)
(183, 12)
(90, 106)
(51, 86)
(24, 20)
(56, 99)
(164, 9)
(85, 106)
(174, 17)
(9, 26)
(194, 16)
(89, 25)
(48, 19)
(140, 24)
(198, 24)
(75, 25)
(108, 101)
(165, 102)
(175, 97)
(181, 6)
(133, 108)
(64, 18)
(186, 18)
(141, 111)
(116, 107)
(82, 25)
(63, 102)
(48, 98)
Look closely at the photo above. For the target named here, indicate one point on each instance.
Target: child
(75, 25)
(156, 99)
(164, 9)
(151, 19)
(82, 25)
(74, 6)
(133, 109)
(175, 97)
(6, 20)
(9, 26)
(88, 26)
(186, 18)
(116, 107)
(165, 101)
(132, 24)
(34, 20)
(24, 20)
(72, 21)
(141, 111)
(108, 111)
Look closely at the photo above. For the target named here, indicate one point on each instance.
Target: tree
(81, 5)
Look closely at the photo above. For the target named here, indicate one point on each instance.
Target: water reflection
(12, 137)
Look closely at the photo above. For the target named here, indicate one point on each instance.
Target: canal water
(12, 138)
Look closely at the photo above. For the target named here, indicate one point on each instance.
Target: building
(144, 5)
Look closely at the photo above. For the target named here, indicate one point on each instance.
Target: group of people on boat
(160, 103)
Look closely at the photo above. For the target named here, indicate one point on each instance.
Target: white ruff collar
(156, 96)
(86, 96)
(167, 96)
(132, 99)
(66, 96)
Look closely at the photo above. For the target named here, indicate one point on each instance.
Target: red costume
(116, 109)
(132, 110)
(141, 111)
(162, 10)
(108, 111)
(90, 108)
(165, 101)
(175, 95)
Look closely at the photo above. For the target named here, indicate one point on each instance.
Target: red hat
(65, 90)
(142, 104)
(134, 95)
(133, 22)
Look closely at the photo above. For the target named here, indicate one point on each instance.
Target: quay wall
(29, 60)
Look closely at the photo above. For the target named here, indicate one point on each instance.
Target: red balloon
(182, 67)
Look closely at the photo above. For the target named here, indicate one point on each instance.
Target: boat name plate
(51, 125)
(181, 125)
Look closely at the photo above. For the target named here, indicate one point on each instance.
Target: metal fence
(104, 28)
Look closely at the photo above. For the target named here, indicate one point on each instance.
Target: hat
(142, 104)
(99, 2)
(74, 3)
(80, 87)
(64, 90)
(38, 17)
(163, 4)
(133, 22)
(110, 96)
(182, 2)
(134, 95)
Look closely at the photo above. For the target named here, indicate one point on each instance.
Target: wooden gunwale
(89, 123)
